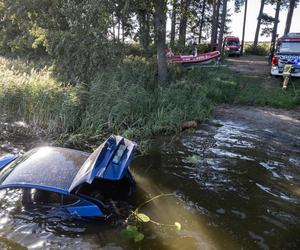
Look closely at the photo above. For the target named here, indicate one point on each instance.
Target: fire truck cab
(287, 52)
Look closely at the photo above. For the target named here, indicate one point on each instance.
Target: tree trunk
(144, 32)
(160, 23)
(123, 30)
(119, 29)
(261, 11)
(147, 29)
(244, 27)
(222, 28)
(173, 23)
(202, 21)
(183, 21)
(215, 23)
(113, 26)
(274, 32)
(214, 3)
(289, 16)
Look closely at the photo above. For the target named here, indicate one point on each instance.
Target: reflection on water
(244, 193)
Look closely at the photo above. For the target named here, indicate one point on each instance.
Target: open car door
(109, 161)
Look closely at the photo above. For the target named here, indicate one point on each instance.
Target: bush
(260, 50)
(73, 33)
(201, 48)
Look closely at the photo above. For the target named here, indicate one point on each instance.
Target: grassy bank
(126, 100)
(34, 96)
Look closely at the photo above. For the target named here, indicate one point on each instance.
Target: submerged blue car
(74, 180)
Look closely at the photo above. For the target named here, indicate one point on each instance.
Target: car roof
(50, 167)
(231, 38)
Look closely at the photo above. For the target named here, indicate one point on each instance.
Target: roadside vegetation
(261, 49)
(125, 99)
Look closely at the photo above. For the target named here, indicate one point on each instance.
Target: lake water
(236, 185)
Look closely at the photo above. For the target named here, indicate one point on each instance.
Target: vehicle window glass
(233, 43)
(69, 200)
(41, 197)
(289, 47)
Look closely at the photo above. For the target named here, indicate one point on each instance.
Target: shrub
(201, 48)
(260, 50)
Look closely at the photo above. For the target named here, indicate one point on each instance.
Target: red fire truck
(232, 45)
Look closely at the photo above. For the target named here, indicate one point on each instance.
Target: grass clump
(124, 102)
(35, 97)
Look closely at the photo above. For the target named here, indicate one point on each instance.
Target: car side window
(42, 197)
(47, 198)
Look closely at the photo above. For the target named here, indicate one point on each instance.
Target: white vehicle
(287, 52)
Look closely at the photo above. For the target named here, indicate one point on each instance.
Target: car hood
(109, 161)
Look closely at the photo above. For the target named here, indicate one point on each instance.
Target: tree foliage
(83, 37)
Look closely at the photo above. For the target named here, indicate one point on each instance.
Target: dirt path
(257, 65)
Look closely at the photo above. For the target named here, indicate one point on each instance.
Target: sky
(253, 8)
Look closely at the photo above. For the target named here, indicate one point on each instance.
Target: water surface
(241, 191)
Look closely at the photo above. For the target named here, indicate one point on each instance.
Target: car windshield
(289, 47)
(233, 43)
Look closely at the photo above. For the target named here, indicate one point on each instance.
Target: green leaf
(130, 232)
(143, 217)
(127, 234)
(138, 237)
(131, 228)
(178, 226)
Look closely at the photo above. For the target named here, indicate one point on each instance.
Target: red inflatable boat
(203, 58)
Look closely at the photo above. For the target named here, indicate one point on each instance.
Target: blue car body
(52, 176)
